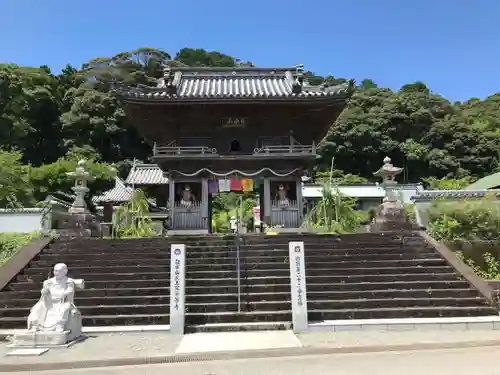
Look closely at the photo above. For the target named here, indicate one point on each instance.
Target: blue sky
(451, 45)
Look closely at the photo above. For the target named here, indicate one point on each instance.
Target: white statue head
(60, 271)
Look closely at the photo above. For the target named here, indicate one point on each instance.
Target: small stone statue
(55, 311)
(187, 197)
(282, 196)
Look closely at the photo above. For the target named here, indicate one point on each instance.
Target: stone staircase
(361, 276)
(212, 286)
(385, 275)
(127, 282)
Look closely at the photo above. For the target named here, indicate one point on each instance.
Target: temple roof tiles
(236, 83)
(146, 174)
(119, 193)
(453, 194)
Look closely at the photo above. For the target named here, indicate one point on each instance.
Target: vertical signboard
(177, 287)
(298, 285)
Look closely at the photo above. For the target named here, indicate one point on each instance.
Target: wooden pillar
(300, 204)
(204, 202)
(267, 201)
(171, 201)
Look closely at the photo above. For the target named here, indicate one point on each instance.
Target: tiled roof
(236, 83)
(404, 192)
(452, 194)
(120, 193)
(366, 191)
(31, 210)
(146, 174)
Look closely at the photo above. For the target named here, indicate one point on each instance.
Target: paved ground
(237, 341)
(392, 338)
(140, 346)
(105, 346)
(482, 361)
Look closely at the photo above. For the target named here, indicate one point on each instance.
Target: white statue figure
(282, 196)
(55, 311)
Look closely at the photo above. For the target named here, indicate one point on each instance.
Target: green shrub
(10, 243)
(465, 220)
(410, 213)
(491, 269)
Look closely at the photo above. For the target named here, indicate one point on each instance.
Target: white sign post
(298, 285)
(177, 287)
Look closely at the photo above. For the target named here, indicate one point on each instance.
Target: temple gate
(209, 125)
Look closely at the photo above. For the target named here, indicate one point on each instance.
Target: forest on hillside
(48, 120)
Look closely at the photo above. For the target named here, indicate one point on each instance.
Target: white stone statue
(55, 311)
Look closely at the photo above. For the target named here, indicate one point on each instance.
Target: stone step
(358, 262)
(53, 258)
(274, 269)
(351, 285)
(97, 301)
(372, 303)
(231, 327)
(338, 295)
(228, 294)
(397, 312)
(243, 317)
(259, 286)
(97, 310)
(285, 271)
(29, 300)
(101, 284)
(411, 269)
(138, 243)
(109, 276)
(245, 296)
(119, 309)
(27, 290)
(211, 257)
(53, 249)
(162, 279)
(444, 276)
(98, 269)
(310, 251)
(223, 265)
(99, 320)
(245, 306)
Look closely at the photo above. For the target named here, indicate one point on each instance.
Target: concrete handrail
(20, 259)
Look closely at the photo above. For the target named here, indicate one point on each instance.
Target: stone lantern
(81, 177)
(391, 214)
(388, 173)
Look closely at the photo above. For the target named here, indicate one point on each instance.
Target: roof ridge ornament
(299, 80)
(169, 79)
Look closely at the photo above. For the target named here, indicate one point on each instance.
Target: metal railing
(237, 240)
(183, 150)
(290, 149)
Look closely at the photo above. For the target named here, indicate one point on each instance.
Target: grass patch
(10, 243)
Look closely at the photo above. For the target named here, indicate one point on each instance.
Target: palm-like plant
(131, 219)
(335, 212)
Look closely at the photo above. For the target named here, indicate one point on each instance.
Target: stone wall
(21, 220)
